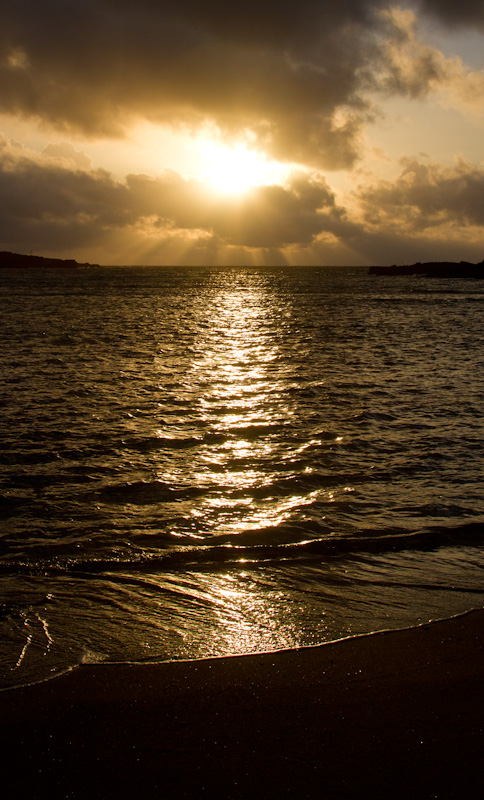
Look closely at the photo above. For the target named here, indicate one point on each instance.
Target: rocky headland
(434, 269)
(18, 261)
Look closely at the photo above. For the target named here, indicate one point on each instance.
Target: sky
(258, 133)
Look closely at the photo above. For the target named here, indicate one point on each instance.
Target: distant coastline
(431, 269)
(434, 269)
(18, 261)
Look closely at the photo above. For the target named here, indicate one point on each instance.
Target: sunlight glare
(234, 170)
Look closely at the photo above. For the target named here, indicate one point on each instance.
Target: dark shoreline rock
(434, 269)
(18, 261)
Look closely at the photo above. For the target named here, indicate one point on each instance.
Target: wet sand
(390, 715)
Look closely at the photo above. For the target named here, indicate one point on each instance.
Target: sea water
(210, 461)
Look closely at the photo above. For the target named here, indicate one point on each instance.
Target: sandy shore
(391, 715)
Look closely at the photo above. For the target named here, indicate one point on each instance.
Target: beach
(394, 714)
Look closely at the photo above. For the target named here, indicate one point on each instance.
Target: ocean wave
(252, 551)
(259, 431)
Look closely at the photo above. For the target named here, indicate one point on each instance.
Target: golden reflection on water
(236, 387)
(238, 393)
(244, 619)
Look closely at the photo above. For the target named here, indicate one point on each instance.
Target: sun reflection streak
(246, 620)
(239, 398)
(233, 468)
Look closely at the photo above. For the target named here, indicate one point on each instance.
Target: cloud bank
(305, 80)
(54, 205)
(426, 196)
(296, 75)
(47, 199)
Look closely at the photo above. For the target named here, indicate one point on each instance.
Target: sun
(235, 170)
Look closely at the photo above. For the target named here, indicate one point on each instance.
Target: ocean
(202, 462)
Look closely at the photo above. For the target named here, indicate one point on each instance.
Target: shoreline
(156, 662)
(393, 713)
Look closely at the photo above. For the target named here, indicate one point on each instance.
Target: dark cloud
(296, 74)
(268, 216)
(467, 13)
(423, 215)
(282, 69)
(40, 194)
(426, 196)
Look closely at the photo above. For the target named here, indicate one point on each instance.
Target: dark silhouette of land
(435, 269)
(18, 261)
(432, 269)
